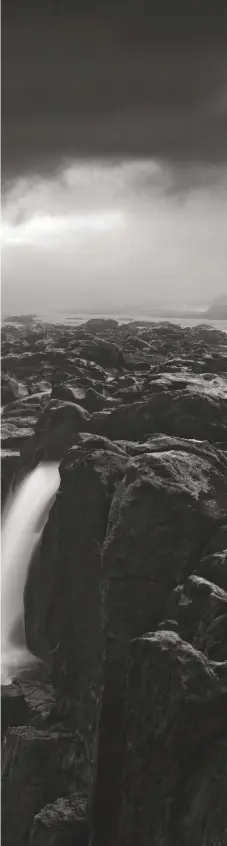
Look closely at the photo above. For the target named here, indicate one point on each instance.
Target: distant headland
(216, 311)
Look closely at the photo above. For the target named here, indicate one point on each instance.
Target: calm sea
(77, 319)
(73, 319)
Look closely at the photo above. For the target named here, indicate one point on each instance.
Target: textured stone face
(37, 767)
(13, 707)
(200, 415)
(9, 467)
(175, 706)
(62, 599)
(135, 543)
(64, 823)
(200, 607)
(123, 533)
(161, 516)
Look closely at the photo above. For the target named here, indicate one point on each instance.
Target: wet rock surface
(14, 709)
(9, 468)
(175, 715)
(37, 767)
(121, 738)
(64, 823)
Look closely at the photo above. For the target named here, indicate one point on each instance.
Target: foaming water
(23, 521)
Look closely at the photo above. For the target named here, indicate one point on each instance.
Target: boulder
(11, 389)
(37, 767)
(58, 426)
(63, 823)
(213, 563)
(135, 541)
(68, 393)
(9, 467)
(88, 368)
(14, 711)
(99, 324)
(104, 353)
(15, 433)
(187, 415)
(62, 596)
(162, 513)
(129, 395)
(200, 608)
(175, 719)
(96, 442)
(95, 401)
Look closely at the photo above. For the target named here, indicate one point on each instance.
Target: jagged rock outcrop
(200, 608)
(136, 525)
(67, 359)
(37, 768)
(100, 324)
(213, 564)
(200, 416)
(135, 542)
(103, 352)
(62, 599)
(64, 823)
(14, 710)
(174, 757)
(9, 466)
(162, 515)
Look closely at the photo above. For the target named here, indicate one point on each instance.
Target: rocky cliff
(121, 735)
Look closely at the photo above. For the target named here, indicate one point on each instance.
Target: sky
(114, 148)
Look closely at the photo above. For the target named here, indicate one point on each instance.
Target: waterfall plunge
(23, 522)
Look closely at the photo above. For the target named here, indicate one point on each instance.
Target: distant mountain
(216, 311)
(220, 300)
(218, 308)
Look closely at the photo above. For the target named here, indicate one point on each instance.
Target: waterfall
(23, 521)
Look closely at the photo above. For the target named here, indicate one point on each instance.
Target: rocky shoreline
(120, 738)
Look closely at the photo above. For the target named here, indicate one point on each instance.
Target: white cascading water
(23, 521)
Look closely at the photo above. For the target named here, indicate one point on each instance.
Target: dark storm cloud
(112, 85)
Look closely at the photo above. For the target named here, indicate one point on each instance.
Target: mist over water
(23, 521)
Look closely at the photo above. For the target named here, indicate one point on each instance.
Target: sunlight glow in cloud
(113, 235)
(44, 229)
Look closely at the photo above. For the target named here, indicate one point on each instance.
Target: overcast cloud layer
(112, 237)
(148, 80)
(113, 114)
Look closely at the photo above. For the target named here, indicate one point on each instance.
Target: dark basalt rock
(94, 401)
(96, 442)
(146, 519)
(37, 767)
(14, 709)
(64, 823)
(91, 369)
(62, 597)
(202, 798)
(99, 324)
(213, 564)
(128, 395)
(188, 416)
(16, 433)
(136, 540)
(175, 711)
(19, 419)
(161, 515)
(200, 608)
(68, 393)
(11, 389)
(58, 426)
(102, 352)
(9, 467)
